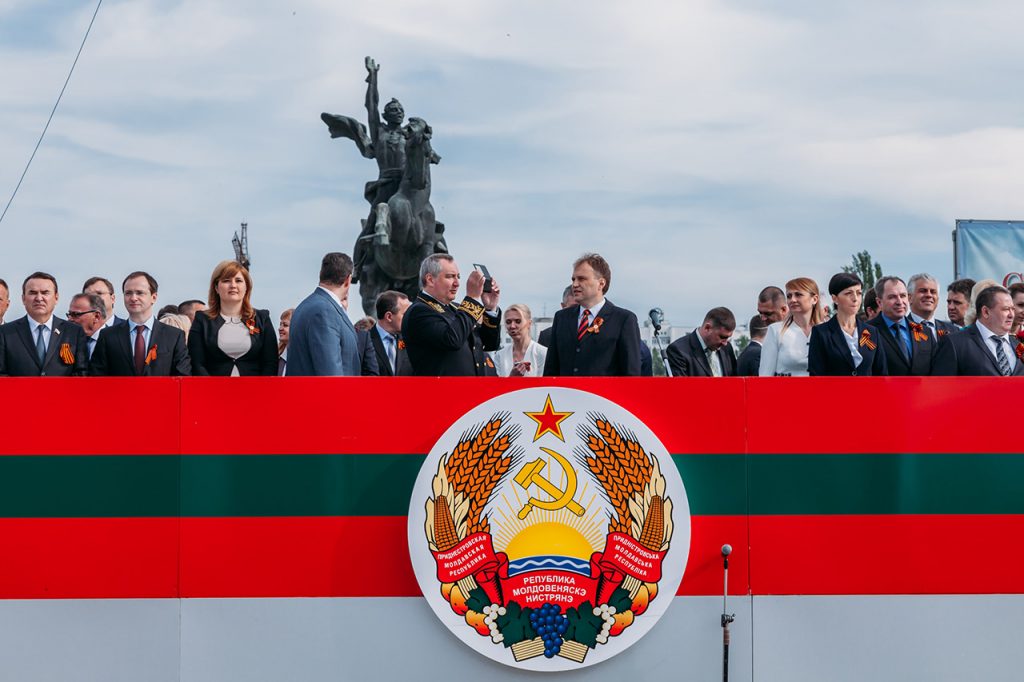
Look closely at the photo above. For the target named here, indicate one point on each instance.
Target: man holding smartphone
(443, 339)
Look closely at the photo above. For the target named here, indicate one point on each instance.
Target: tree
(864, 267)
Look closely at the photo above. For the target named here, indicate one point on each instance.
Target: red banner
(470, 556)
(624, 553)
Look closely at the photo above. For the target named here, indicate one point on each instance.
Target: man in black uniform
(443, 339)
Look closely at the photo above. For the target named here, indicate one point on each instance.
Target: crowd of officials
(889, 329)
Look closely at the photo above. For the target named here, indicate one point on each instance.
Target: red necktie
(584, 325)
(140, 349)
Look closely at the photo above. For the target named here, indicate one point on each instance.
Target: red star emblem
(549, 421)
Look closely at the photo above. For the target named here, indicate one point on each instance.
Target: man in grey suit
(322, 340)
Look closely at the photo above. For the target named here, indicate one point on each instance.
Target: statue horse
(405, 229)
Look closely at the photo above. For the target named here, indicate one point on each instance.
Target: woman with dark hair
(230, 338)
(784, 351)
(845, 345)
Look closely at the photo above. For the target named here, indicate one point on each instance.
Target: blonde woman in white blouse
(784, 350)
(525, 357)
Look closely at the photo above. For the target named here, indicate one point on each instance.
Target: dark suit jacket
(896, 365)
(687, 359)
(18, 350)
(613, 350)
(401, 357)
(114, 355)
(445, 340)
(544, 338)
(964, 354)
(828, 354)
(209, 360)
(942, 327)
(749, 362)
(367, 357)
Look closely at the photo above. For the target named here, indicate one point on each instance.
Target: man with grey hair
(924, 300)
(443, 339)
(89, 312)
(908, 347)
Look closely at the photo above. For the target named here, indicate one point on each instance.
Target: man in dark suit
(322, 340)
(104, 288)
(958, 300)
(386, 335)
(923, 290)
(984, 348)
(5, 299)
(40, 344)
(749, 362)
(89, 313)
(706, 351)
(443, 339)
(544, 338)
(594, 337)
(908, 347)
(142, 346)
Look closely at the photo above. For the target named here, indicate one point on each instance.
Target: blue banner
(990, 249)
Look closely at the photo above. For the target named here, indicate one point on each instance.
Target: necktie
(901, 341)
(140, 349)
(584, 325)
(40, 345)
(392, 350)
(92, 342)
(1001, 359)
(716, 371)
(931, 327)
(282, 365)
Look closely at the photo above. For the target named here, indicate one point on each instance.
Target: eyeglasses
(74, 316)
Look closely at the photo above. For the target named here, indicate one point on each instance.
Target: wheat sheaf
(632, 482)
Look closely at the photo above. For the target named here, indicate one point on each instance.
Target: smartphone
(488, 285)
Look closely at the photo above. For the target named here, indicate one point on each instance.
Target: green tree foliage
(864, 267)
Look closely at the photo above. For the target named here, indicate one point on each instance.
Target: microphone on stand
(726, 616)
(657, 317)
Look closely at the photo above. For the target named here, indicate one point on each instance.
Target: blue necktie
(40, 346)
(902, 341)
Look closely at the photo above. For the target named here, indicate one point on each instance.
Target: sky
(705, 148)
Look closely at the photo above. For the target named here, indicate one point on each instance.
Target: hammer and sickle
(531, 474)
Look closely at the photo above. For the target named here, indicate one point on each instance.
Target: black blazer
(896, 365)
(401, 357)
(209, 360)
(612, 350)
(446, 340)
(964, 354)
(687, 359)
(749, 362)
(66, 356)
(828, 354)
(367, 357)
(114, 355)
(544, 338)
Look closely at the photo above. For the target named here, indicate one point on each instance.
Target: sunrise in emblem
(547, 526)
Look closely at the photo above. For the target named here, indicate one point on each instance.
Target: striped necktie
(1001, 359)
(584, 325)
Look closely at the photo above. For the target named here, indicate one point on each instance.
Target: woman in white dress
(525, 357)
(784, 350)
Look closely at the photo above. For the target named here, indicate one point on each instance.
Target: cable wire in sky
(52, 111)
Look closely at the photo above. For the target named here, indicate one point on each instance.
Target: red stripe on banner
(909, 554)
(44, 412)
(308, 415)
(903, 414)
(369, 557)
(88, 558)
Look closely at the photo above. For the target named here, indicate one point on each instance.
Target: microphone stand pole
(726, 616)
(661, 350)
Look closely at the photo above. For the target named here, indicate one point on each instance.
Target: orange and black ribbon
(865, 340)
(151, 355)
(66, 356)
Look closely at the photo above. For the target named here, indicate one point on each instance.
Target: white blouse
(535, 354)
(233, 339)
(784, 354)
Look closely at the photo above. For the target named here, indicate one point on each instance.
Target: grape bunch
(607, 614)
(491, 614)
(550, 624)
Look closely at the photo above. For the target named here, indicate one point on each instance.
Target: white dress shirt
(146, 335)
(784, 354)
(1004, 339)
(535, 354)
(595, 310)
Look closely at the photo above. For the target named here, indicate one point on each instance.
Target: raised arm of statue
(372, 98)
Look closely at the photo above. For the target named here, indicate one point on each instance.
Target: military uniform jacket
(66, 355)
(449, 340)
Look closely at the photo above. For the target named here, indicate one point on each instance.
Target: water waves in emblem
(549, 563)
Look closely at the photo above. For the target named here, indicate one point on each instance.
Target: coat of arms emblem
(549, 529)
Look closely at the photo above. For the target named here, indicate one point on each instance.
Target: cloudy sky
(705, 148)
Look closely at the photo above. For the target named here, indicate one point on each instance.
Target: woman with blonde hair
(784, 350)
(525, 357)
(971, 316)
(230, 337)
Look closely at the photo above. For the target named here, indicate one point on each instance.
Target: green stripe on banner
(380, 485)
(886, 484)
